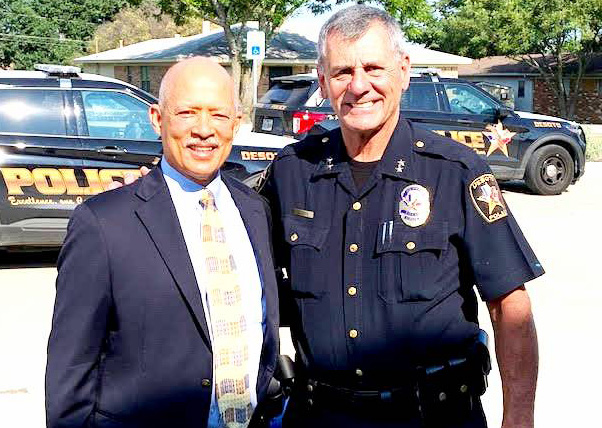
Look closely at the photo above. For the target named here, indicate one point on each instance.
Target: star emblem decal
(491, 196)
(498, 137)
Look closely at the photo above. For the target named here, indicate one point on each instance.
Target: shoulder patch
(487, 198)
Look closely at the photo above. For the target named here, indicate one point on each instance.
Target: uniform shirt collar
(187, 188)
(396, 161)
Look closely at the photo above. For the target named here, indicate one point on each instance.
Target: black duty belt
(314, 392)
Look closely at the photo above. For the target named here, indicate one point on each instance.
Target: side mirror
(503, 112)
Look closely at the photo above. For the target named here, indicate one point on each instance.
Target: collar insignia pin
(400, 165)
(329, 164)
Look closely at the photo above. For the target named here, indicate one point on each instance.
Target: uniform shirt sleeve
(500, 256)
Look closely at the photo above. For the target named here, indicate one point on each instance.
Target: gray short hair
(353, 22)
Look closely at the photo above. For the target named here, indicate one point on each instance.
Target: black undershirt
(361, 171)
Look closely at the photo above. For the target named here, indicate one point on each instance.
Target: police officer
(384, 229)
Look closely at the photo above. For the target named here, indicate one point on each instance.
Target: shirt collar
(188, 188)
(397, 160)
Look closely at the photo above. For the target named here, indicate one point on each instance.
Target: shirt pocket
(306, 240)
(410, 261)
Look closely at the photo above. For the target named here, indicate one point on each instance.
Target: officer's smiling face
(364, 79)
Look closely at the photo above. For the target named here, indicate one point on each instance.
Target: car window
(466, 99)
(111, 114)
(32, 111)
(291, 94)
(420, 96)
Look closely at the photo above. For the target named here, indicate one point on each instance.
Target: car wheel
(550, 170)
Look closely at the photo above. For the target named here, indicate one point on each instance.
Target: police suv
(547, 152)
(65, 136)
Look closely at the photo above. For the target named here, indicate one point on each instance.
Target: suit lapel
(159, 217)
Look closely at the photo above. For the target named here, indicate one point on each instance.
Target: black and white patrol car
(64, 136)
(547, 152)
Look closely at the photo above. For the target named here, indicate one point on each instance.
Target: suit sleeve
(79, 323)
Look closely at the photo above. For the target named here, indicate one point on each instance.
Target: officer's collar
(334, 158)
(397, 160)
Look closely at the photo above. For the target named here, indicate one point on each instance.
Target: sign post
(256, 52)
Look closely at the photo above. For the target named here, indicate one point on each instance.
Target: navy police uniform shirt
(382, 277)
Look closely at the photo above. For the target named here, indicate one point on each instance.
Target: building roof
(285, 47)
(505, 66)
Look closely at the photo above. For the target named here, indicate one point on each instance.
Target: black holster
(446, 392)
(278, 390)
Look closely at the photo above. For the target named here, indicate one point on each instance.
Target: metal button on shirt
(420, 144)
(294, 237)
(357, 206)
(353, 248)
(352, 291)
(411, 245)
(353, 333)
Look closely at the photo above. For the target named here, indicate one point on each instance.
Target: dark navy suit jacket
(129, 345)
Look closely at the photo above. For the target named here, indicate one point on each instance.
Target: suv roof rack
(58, 70)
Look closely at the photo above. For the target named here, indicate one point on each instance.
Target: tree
(136, 24)
(53, 31)
(557, 38)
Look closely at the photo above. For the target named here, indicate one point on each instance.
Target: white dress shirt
(185, 195)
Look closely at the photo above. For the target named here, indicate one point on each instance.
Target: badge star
(499, 138)
(400, 165)
(491, 196)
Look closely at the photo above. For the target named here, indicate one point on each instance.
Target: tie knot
(207, 199)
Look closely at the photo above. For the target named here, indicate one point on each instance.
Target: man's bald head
(197, 116)
(191, 68)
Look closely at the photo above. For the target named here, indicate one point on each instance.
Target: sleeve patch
(487, 198)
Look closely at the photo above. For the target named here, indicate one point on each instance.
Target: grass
(593, 138)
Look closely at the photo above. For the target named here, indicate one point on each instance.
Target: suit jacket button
(206, 382)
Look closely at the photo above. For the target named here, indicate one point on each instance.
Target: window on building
(600, 88)
(521, 89)
(129, 74)
(144, 78)
(277, 71)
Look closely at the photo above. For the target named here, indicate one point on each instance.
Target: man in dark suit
(150, 273)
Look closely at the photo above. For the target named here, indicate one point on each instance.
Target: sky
(305, 23)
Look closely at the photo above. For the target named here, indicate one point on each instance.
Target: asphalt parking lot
(564, 231)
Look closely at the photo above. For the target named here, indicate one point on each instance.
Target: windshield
(289, 93)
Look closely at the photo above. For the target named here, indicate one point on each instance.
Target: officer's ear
(405, 66)
(322, 81)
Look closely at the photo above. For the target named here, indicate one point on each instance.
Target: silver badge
(414, 205)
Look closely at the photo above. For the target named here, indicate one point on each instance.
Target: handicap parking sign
(255, 45)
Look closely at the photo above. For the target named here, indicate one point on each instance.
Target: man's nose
(360, 83)
(202, 126)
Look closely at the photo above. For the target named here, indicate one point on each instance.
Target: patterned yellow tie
(230, 351)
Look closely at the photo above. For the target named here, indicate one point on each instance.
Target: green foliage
(49, 31)
(135, 24)
(557, 38)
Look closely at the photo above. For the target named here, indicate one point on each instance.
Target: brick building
(531, 92)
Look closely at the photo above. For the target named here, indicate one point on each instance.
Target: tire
(550, 170)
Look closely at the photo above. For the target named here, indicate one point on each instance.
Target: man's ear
(405, 67)
(154, 114)
(322, 82)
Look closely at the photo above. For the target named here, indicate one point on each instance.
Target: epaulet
(431, 143)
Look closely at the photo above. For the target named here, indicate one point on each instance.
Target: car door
(473, 119)
(38, 148)
(116, 134)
